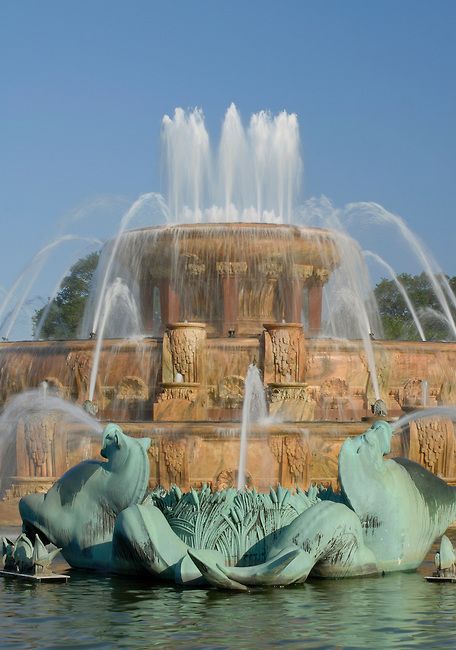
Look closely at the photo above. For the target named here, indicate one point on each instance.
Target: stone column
(315, 295)
(293, 293)
(293, 301)
(169, 302)
(229, 273)
(146, 297)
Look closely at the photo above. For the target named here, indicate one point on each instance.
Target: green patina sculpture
(78, 513)
(387, 516)
(24, 557)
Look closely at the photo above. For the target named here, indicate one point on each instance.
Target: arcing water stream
(254, 409)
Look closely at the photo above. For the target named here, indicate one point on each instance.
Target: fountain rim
(217, 226)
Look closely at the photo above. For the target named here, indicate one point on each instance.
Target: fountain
(179, 312)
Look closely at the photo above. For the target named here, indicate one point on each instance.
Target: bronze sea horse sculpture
(386, 518)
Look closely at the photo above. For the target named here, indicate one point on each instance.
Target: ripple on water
(97, 612)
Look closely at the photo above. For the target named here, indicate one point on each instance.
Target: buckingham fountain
(199, 485)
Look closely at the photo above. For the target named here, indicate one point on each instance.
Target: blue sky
(85, 84)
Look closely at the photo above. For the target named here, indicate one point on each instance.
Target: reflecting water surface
(395, 611)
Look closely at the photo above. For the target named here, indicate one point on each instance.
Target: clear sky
(84, 85)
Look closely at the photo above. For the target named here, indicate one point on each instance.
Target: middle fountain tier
(231, 276)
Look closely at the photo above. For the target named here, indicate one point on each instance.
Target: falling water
(31, 272)
(448, 412)
(254, 409)
(402, 290)
(144, 199)
(118, 299)
(254, 177)
(429, 315)
(432, 270)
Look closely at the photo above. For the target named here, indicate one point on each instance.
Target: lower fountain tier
(291, 454)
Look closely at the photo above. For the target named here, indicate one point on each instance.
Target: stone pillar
(169, 302)
(146, 297)
(293, 292)
(293, 301)
(315, 295)
(229, 273)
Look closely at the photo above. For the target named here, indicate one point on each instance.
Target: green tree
(396, 318)
(65, 311)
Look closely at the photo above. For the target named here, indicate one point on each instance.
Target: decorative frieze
(231, 268)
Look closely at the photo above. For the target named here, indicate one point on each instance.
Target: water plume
(448, 412)
(255, 176)
(118, 300)
(254, 409)
(378, 213)
(401, 288)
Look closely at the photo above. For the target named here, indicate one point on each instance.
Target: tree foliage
(396, 318)
(65, 311)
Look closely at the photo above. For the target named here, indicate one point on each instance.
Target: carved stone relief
(183, 353)
(79, 364)
(293, 456)
(174, 452)
(284, 354)
(132, 388)
(40, 447)
(432, 445)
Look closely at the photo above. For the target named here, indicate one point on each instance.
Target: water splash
(254, 409)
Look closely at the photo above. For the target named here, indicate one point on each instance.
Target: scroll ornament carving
(322, 275)
(231, 268)
(334, 391)
(303, 271)
(280, 393)
(272, 269)
(132, 388)
(193, 266)
(227, 478)
(187, 393)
